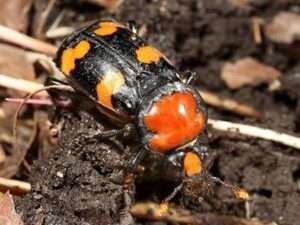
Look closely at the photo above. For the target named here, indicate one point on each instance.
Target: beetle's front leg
(125, 131)
(132, 26)
(189, 77)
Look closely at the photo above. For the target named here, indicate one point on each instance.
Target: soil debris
(14, 62)
(284, 28)
(8, 215)
(110, 5)
(248, 71)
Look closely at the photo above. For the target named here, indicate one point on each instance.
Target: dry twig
(43, 19)
(175, 215)
(14, 186)
(25, 41)
(59, 32)
(163, 212)
(55, 31)
(21, 85)
(30, 101)
(257, 132)
(228, 104)
(257, 29)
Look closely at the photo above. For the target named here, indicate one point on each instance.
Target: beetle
(134, 84)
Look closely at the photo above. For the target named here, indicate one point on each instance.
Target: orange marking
(107, 28)
(71, 54)
(175, 120)
(67, 61)
(108, 86)
(192, 164)
(148, 54)
(241, 194)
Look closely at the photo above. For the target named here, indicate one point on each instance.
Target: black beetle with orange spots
(133, 83)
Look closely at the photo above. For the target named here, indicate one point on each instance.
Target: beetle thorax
(173, 120)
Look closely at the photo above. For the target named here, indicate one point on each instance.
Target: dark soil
(81, 183)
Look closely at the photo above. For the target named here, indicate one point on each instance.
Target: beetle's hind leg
(131, 171)
(133, 168)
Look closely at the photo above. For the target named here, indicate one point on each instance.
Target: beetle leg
(173, 193)
(201, 148)
(124, 131)
(205, 175)
(134, 163)
(125, 217)
(189, 77)
(133, 168)
(132, 26)
(128, 182)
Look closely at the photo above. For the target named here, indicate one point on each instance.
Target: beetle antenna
(28, 97)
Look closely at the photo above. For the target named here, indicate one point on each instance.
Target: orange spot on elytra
(71, 54)
(192, 164)
(107, 28)
(108, 86)
(174, 120)
(67, 61)
(148, 54)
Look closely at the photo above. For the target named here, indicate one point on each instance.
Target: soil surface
(81, 182)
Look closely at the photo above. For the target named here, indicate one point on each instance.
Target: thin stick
(46, 62)
(47, 102)
(21, 85)
(25, 41)
(14, 186)
(228, 104)
(58, 19)
(59, 32)
(257, 23)
(2, 113)
(162, 212)
(238, 192)
(257, 132)
(43, 19)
